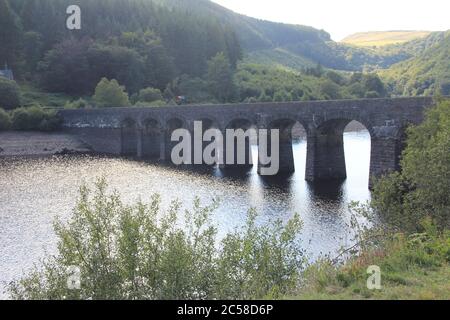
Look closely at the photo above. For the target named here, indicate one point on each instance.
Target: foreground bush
(35, 118)
(422, 189)
(5, 121)
(9, 94)
(136, 252)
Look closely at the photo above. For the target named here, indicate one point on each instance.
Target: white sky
(343, 17)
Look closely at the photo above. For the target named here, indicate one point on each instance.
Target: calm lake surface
(34, 191)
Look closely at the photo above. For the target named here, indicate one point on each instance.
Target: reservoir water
(33, 191)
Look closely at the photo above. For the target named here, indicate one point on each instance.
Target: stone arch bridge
(146, 132)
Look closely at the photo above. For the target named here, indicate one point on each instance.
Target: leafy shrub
(9, 94)
(136, 252)
(110, 94)
(77, 104)
(421, 189)
(5, 120)
(372, 95)
(150, 95)
(34, 118)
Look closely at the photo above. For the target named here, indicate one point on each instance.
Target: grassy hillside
(383, 38)
(292, 46)
(414, 267)
(425, 74)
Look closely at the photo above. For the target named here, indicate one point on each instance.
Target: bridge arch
(128, 137)
(326, 156)
(151, 138)
(285, 127)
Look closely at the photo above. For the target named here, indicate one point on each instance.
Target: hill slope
(426, 74)
(292, 46)
(383, 38)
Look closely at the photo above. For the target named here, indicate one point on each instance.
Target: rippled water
(34, 191)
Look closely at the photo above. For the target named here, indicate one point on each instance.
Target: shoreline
(34, 144)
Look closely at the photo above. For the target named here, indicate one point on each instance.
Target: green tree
(65, 68)
(220, 78)
(373, 83)
(142, 251)
(150, 95)
(10, 35)
(110, 94)
(5, 120)
(116, 62)
(32, 49)
(9, 94)
(422, 188)
(330, 90)
(35, 118)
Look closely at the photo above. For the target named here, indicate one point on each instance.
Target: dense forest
(138, 42)
(199, 51)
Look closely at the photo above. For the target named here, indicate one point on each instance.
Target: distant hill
(383, 38)
(291, 46)
(427, 73)
(145, 43)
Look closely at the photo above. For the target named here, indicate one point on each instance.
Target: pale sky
(343, 17)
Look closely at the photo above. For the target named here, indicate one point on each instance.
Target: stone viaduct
(146, 132)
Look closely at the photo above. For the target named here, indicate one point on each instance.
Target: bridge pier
(385, 155)
(325, 152)
(151, 140)
(128, 138)
(139, 146)
(162, 149)
(285, 150)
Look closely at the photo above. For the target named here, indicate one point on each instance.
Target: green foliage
(367, 85)
(65, 68)
(77, 104)
(5, 120)
(139, 252)
(33, 47)
(9, 94)
(30, 95)
(116, 62)
(330, 90)
(427, 73)
(35, 118)
(194, 89)
(267, 84)
(10, 36)
(109, 93)
(220, 78)
(150, 95)
(413, 266)
(150, 48)
(422, 188)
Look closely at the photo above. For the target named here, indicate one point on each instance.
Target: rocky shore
(27, 144)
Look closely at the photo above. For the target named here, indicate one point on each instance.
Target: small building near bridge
(7, 73)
